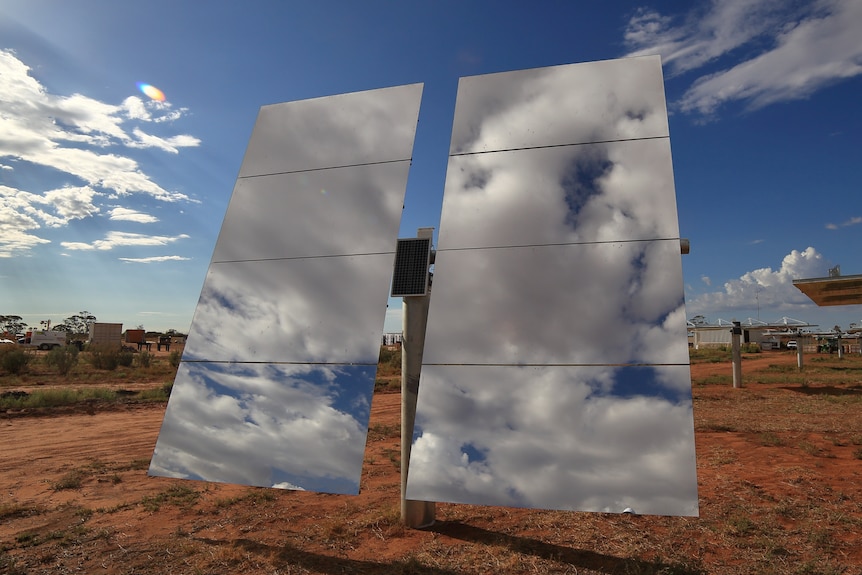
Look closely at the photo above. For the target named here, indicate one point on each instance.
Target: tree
(79, 323)
(12, 323)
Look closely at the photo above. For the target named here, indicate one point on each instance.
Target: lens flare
(151, 91)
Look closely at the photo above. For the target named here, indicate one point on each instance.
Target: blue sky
(111, 202)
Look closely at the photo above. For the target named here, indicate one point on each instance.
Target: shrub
(144, 359)
(14, 360)
(390, 357)
(104, 357)
(175, 358)
(125, 358)
(63, 359)
(158, 394)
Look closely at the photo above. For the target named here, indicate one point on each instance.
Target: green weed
(63, 359)
(180, 495)
(769, 439)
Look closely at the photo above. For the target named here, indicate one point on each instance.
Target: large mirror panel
(341, 130)
(579, 438)
(562, 194)
(338, 211)
(268, 425)
(307, 310)
(278, 370)
(571, 104)
(561, 304)
(555, 371)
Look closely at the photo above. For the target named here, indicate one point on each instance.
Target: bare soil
(779, 474)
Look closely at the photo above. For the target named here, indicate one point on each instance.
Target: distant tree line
(76, 324)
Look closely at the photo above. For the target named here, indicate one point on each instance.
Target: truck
(108, 334)
(44, 339)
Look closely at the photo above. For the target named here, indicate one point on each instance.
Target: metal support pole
(736, 354)
(799, 346)
(415, 514)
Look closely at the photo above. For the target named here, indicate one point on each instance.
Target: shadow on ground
(289, 555)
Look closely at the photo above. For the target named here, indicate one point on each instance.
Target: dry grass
(780, 481)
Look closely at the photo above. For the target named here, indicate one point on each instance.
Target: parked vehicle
(792, 344)
(44, 339)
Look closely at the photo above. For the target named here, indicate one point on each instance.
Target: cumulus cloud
(82, 138)
(764, 286)
(794, 50)
(21, 212)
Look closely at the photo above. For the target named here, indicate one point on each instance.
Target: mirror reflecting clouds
(267, 425)
(342, 130)
(558, 105)
(578, 438)
(573, 304)
(555, 372)
(276, 379)
(565, 194)
(357, 210)
(324, 309)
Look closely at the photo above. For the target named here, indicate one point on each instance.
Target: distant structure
(833, 290)
(394, 338)
(768, 335)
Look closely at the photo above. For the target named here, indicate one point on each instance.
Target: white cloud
(117, 239)
(764, 286)
(82, 138)
(807, 48)
(69, 204)
(136, 109)
(856, 220)
(167, 144)
(20, 213)
(129, 215)
(77, 246)
(704, 35)
(155, 259)
(706, 280)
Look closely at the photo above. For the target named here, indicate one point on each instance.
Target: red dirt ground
(779, 473)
